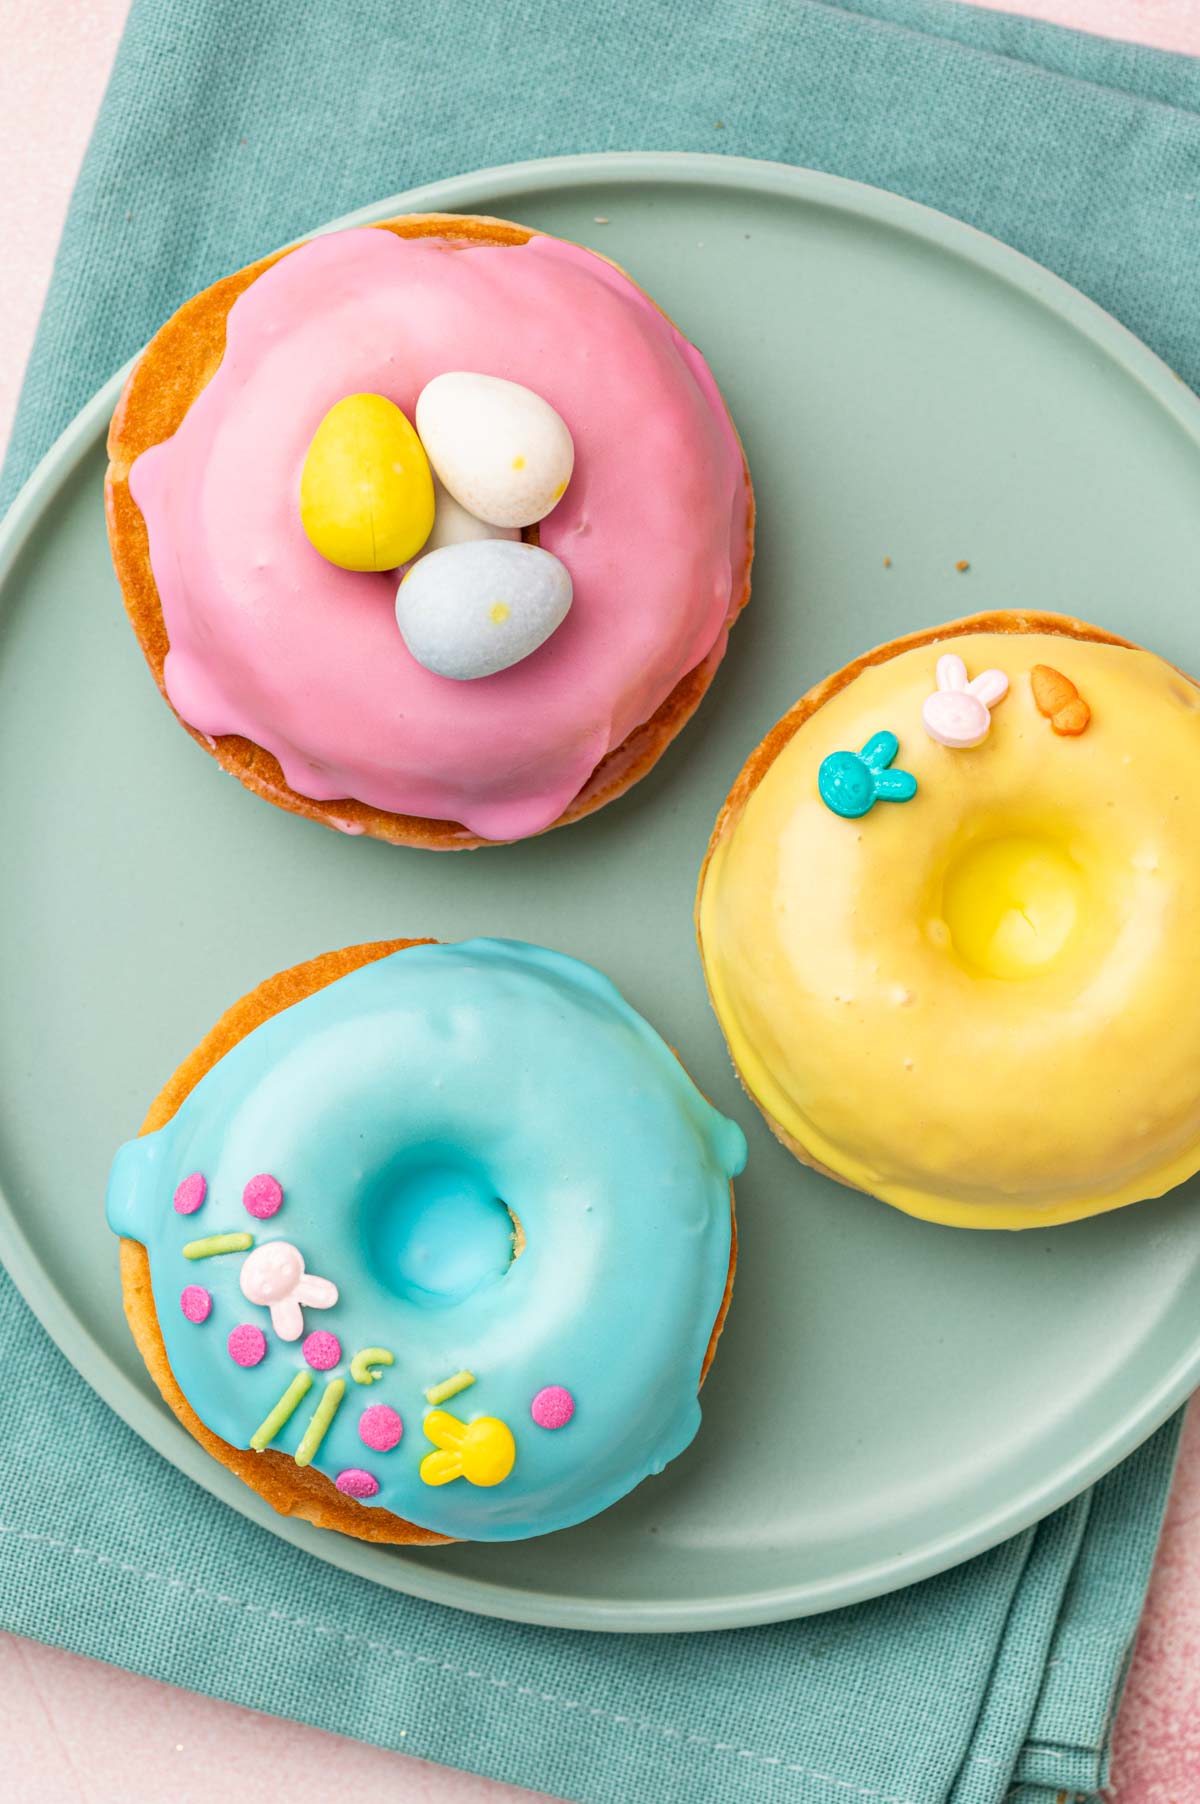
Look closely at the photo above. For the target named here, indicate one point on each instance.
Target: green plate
(890, 1397)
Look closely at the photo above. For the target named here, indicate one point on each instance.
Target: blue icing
(405, 1109)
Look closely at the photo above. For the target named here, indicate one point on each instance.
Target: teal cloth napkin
(230, 127)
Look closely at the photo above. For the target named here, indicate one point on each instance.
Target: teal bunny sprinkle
(850, 783)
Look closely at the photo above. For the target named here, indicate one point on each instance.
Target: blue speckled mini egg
(472, 609)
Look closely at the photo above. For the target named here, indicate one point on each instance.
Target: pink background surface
(71, 1730)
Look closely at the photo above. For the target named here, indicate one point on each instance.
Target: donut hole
(1011, 905)
(435, 1231)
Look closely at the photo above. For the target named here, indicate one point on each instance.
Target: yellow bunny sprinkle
(483, 1452)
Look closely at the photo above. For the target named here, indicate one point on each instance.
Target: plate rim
(149, 1419)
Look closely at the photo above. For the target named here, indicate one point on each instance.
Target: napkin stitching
(384, 1647)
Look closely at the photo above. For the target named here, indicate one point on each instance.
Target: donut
(949, 920)
(431, 1242)
(291, 670)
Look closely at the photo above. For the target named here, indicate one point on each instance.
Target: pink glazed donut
(291, 671)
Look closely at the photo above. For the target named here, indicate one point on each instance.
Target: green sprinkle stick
(217, 1243)
(286, 1407)
(360, 1365)
(322, 1416)
(449, 1387)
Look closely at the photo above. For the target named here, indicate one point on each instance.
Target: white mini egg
(453, 525)
(474, 608)
(503, 452)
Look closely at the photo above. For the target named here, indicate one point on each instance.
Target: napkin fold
(229, 128)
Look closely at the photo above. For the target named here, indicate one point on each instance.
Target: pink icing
(190, 1194)
(263, 1196)
(270, 641)
(552, 1407)
(356, 1483)
(247, 1344)
(196, 1303)
(380, 1427)
(322, 1350)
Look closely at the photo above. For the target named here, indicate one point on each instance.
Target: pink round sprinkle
(247, 1344)
(196, 1303)
(553, 1407)
(322, 1350)
(356, 1483)
(380, 1427)
(191, 1193)
(263, 1195)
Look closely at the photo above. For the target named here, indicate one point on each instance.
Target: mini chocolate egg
(472, 609)
(366, 490)
(453, 525)
(503, 452)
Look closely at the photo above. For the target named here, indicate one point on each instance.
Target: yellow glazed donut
(962, 972)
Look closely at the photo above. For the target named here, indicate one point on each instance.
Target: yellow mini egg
(366, 490)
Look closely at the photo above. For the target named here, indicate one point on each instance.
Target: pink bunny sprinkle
(274, 1276)
(958, 713)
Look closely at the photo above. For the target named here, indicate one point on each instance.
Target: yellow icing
(982, 1006)
(1011, 905)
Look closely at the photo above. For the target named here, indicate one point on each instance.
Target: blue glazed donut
(453, 1231)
